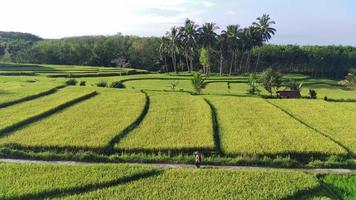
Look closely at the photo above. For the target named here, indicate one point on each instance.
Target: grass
(330, 118)
(210, 184)
(22, 111)
(92, 123)
(344, 186)
(174, 121)
(185, 85)
(252, 126)
(16, 87)
(34, 181)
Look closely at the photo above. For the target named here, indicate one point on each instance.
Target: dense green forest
(145, 53)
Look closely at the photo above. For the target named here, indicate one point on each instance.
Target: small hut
(291, 94)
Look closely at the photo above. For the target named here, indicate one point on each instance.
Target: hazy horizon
(317, 22)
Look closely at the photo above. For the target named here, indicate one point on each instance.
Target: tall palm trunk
(221, 63)
(258, 60)
(231, 63)
(174, 62)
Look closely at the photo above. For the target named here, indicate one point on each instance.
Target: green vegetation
(328, 118)
(31, 181)
(252, 126)
(12, 115)
(174, 121)
(210, 184)
(344, 186)
(92, 123)
(106, 181)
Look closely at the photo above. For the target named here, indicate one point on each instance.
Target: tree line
(234, 50)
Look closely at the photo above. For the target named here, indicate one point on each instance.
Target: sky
(303, 22)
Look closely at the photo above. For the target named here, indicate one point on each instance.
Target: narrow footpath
(175, 166)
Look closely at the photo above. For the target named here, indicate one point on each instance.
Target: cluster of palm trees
(230, 50)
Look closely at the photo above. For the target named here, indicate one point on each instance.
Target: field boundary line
(58, 192)
(349, 152)
(215, 126)
(178, 166)
(7, 130)
(325, 186)
(31, 97)
(116, 139)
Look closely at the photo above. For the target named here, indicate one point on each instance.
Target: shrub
(173, 85)
(71, 82)
(252, 83)
(117, 84)
(312, 94)
(82, 83)
(271, 80)
(198, 82)
(294, 85)
(102, 84)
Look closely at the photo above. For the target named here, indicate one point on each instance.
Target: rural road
(168, 166)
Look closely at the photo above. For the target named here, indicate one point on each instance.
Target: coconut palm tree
(263, 25)
(173, 38)
(222, 46)
(189, 39)
(164, 51)
(232, 32)
(208, 39)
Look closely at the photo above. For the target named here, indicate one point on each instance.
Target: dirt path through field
(168, 166)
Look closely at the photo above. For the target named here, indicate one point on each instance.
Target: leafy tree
(204, 58)
(198, 82)
(208, 39)
(222, 46)
(271, 80)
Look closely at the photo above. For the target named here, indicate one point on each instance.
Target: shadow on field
(110, 146)
(56, 193)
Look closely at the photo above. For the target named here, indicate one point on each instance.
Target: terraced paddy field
(107, 181)
(252, 126)
(174, 121)
(330, 119)
(148, 121)
(92, 123)
(14, 114)
(13, 88)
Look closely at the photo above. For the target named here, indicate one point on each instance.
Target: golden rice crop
(173, 121)
(92, 123)
(252, 126)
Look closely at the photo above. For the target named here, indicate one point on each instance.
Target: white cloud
(208, 4)
(230, 12)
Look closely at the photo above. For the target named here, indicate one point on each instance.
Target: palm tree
(232, 32)
(189, 36)
(250, 37)
(173, 38)
(207, 39)
(164, 51)
(263, 25)
(222, 46)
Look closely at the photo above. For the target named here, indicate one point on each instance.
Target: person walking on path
(197, 157)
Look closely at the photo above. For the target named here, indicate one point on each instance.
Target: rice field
(92, 123)
(34, 181)
(107, 181)
(330, 118)
(12, 88)
(22, 111)
(252, 126)
(185, 85)
(174, 121)
(209, 184)
(342, 185)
